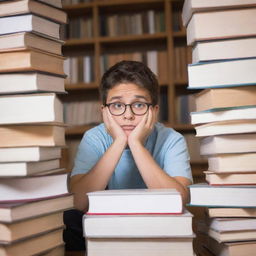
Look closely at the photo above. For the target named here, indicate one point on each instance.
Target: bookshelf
(147, 30)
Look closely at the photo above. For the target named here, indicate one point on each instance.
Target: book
(32, 135)
(221, 24)
(55, 3)
(57, 251)
(239, 196)
(29, 23)
(192, 6)
(231, 248)
(224, 49)
(232, 224)
(11, 232)
(243, 178)
(232, 163)
(12, 8)
(235, 236)
(218, 74)
(27, 40)
(19, 210)
(226, 127)
(216, 98)
(231, 143)
(29, 154)
(27, 188)
(28, 82)
(31, 60)
(224, 114)
(231, 212)
(135, 201)
(31, 108)
(35, 245)
(28, 168)
(139, 247)
(139, 226)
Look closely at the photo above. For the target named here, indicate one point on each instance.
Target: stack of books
(33, 187)
(223, 35)
(137, 222)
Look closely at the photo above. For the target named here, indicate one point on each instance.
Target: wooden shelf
(81, 86)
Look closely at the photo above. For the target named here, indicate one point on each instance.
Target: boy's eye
(139, 105)
(117, 105)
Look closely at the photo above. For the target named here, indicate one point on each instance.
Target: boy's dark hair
(129, 72)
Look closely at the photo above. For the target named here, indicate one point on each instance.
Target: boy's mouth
(128, 127)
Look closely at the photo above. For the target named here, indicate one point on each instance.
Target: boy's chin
(128, 132)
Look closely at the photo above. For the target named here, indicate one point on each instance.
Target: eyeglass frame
(130, 105)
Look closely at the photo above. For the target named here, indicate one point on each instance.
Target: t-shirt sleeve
(87, 155)
(177, 160)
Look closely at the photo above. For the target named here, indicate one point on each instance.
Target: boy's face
(129, 93)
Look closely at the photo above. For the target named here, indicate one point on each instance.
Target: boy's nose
(128, 114)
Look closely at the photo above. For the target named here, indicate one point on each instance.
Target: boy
(130, 149)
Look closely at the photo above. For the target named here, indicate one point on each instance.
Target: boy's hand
(144, 128)
(112, 127)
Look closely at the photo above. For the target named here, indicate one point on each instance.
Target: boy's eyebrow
(120, 97)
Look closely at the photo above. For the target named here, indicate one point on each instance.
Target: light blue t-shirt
(167, 147)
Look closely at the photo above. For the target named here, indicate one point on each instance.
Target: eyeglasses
(137, 108)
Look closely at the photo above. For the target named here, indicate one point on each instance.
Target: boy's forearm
(153, 175)
(98, 177)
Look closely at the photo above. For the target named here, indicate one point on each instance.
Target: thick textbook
(31, 60)
(32, 135)
(29, 23)
(27, 168)
(27, 40)
(240, 196)
(221, 24)
(193, 6)
(11, 232)
(135, 201)
(30, 82)
(224, 49)
(12, 8)
(216, 98)
(232, 163)
(217, 74)
(20, 210)
(226, 127)
(31, 108)
(235, 178)
(140, 226)
(231, 143)
(35, 245)
(224, 114)
(26, 188)
(29, 154)
(140, 247)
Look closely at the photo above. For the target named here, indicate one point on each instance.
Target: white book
(230, 143)
(27, 168)
(224, 49)
(30, 82)
(29, 22)
(232, 224)
(31, 108)
(218, 74)
(140, 247)
(24, 188)
(134, 201)
(239, 196)
(224, 114)
(140, 226)
(29, 154)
